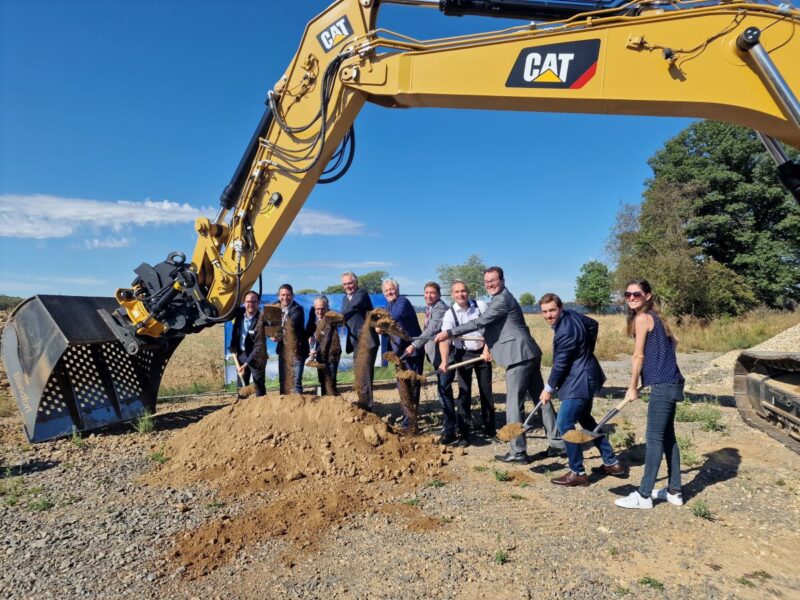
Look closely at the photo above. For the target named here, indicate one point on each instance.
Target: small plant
(780, 482)
(501, 475)
(651, 582)
(11, 489)
(701, 510)
(145, 424)
(524, 485)
(159, 456)
(446, 519)
(215, 505)
(517, 497)
(480, 468)
(411, 501)
(758, 575)
(621, 590)
(501, 557)
(686, 446)
(70, 500)
(77, 439)
(41, 504)
(645, 397)
(705, 413)
(745, 581)
(435, 483)
(623, 439)
(613, 551)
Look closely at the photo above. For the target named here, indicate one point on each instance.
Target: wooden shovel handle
(613, 413)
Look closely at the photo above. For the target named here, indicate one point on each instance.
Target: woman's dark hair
(649, 306)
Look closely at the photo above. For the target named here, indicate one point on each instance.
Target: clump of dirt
(407, 385)
(314, 462)
(510, 431)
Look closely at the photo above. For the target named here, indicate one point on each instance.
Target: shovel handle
(527, 422)
(236, 362)
(612, 413)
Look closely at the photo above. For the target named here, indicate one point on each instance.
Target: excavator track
(767, 393)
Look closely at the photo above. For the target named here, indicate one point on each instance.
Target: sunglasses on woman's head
(633, 295)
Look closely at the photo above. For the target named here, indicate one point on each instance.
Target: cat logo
(571, 65)
(335, 33)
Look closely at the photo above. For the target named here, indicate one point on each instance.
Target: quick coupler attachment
(69, 372)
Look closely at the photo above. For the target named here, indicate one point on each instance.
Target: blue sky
(121, 121)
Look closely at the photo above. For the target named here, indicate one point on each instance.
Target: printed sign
(571, 65)
(335, 33)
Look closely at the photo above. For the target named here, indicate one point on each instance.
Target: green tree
(740, 216)
(470, 272)
(307, 291)
(527, 299)
(594, 285)
(334, 289)
(372, 281)
(9, 302)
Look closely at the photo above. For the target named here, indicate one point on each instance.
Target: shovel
(245, 390)
(511, 430)
(574, 436)
(464, 363)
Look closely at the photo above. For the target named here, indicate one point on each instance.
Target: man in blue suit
(576, 375)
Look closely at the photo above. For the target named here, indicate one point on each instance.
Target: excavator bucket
(68, 371)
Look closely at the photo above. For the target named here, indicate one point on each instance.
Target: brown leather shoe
(571, 480)
(617, 469)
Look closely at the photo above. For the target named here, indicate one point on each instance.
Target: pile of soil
(302, 464)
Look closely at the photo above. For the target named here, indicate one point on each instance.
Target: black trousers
(259, 377)
(483, 373)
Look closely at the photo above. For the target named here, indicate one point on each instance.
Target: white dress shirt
(464, 316)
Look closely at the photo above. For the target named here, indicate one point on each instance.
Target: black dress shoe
(462, 442)
(447, 440)
(518, 458)
(549, 453)
(489, 432)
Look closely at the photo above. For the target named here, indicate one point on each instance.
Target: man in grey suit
(435, 310)
(355, 306)
(512, 346)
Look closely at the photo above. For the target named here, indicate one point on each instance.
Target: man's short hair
(251, 292)
(391, 282)
(551, 297)
(498, 270)
(323, 299)
(461, 281)
(435, 285)
(350, 274)
(286, 286)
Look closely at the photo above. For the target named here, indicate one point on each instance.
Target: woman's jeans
(660, 437)
(579, 410)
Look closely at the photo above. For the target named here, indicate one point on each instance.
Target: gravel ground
(78, 522)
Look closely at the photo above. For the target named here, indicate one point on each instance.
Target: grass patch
(621, 590)
(745, 581)
(758, 575)
(41, 504)
(12, 489)
(146, 423)
(411, 501)
(215, 505)
(686, 446)
(705, 413)
(517, 497)
(177, 392)
(77, 439)
(435, 483)
(445, 520)
(159, 456)
(501, 475)
(501, 557)
(651, 582)
(480, 468)
(613, 551)
(701, 510)
(622, 439)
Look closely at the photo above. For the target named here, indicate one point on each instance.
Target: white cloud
(314, 222)
(109, 242)
(41, 216)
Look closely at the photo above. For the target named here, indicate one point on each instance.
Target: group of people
(466, 336)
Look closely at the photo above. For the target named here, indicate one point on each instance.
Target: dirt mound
(305, 463)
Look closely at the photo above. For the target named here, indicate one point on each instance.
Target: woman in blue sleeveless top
(654, 360)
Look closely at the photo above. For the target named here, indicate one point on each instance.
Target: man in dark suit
(355, 306)
(435, 309)
(577, 376)
(291, 359)
(512, 346)
(243, 345)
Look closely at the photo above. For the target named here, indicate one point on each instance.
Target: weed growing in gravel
(70, 500)
(11, 488)
(524, 485)
(435, 483)
(501, 557)
(705, 413)
(745, 581)
(623, 591)
(780, 482)
(701, 510)
(517, 497)
(77, 439)
(446, 519)
(651, 582)
(412, 501)
(686, 446)
(41, 504)
(613, 551)
(145, 424)
(622, 439)
(159, 456)
(480, 468)
(501, 475)
(214, 505)
(758, 575)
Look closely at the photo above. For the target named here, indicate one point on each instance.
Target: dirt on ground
(305, 497)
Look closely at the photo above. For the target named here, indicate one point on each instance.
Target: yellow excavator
(79, 363)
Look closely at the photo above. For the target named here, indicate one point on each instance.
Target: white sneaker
(663, 494)
(634, 500)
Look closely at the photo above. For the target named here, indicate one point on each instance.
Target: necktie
(427, 315)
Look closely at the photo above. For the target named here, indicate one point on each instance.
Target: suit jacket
(354, 312)
(249, 340)
(504, 331)
(296, 317)
(576, 372)
(434, 326)
(403, 313)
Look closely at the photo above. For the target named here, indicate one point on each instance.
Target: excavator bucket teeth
(68, 371)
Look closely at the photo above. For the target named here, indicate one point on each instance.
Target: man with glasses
(243, 345)
(355, 306)
(512, 346)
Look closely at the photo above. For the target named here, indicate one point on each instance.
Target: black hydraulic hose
(543, 10)
(230, 194)
(349, 146)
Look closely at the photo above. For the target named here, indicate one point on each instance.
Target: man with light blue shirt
(243, 344)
